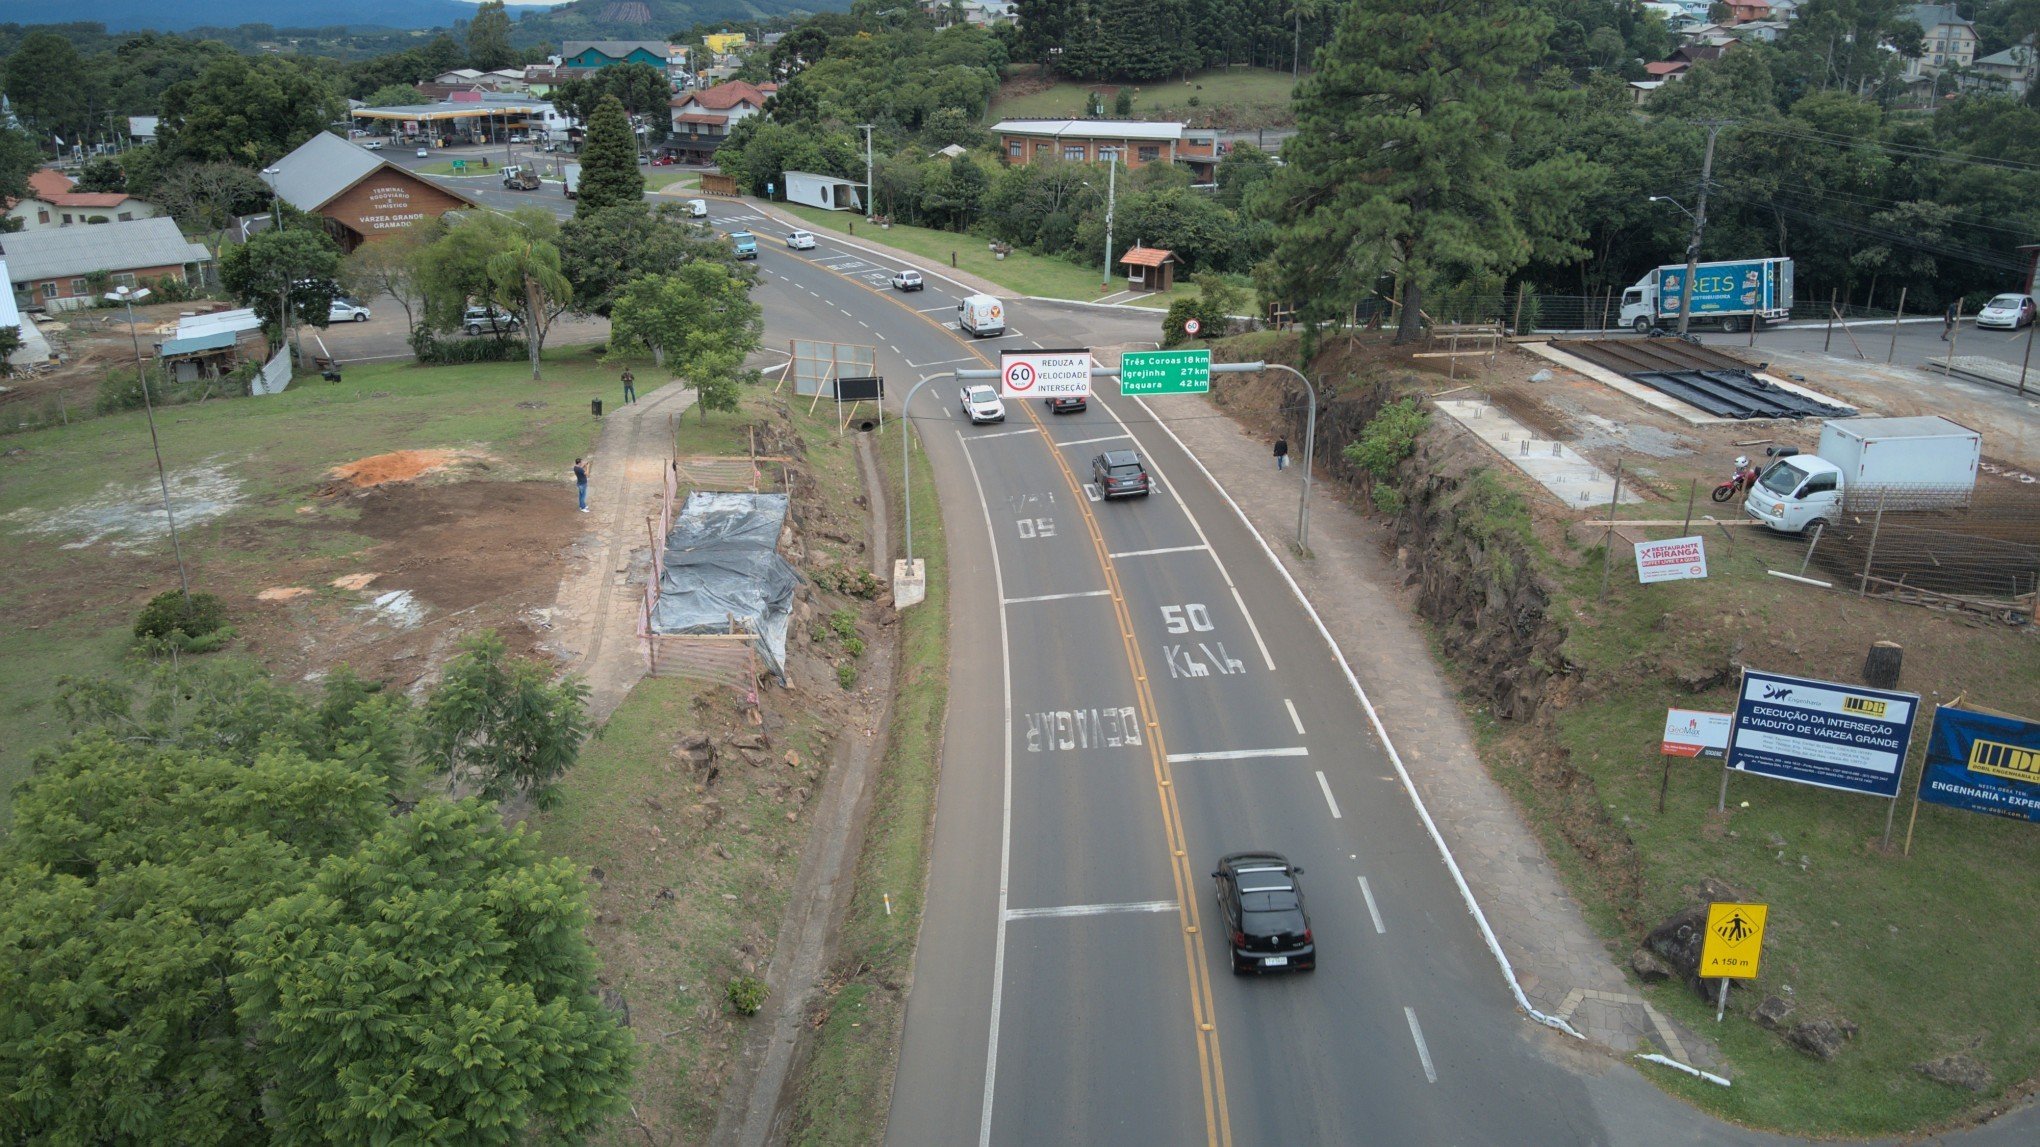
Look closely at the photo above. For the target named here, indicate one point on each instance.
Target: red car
(664, 161)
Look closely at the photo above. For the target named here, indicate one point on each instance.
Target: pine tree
(488, 38)
(1401, 164)
(609, 170)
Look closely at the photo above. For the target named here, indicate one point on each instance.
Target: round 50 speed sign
(1019, 377)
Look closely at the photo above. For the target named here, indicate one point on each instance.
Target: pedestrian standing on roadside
(1282, 453)
(581, 468)
(1948, 319)
(629, 386)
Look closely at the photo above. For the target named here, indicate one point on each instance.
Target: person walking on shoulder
(629, 386)
(1949, 318)
(1282, 453)
(581, 468)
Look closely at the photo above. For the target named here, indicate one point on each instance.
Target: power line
(1903, 150)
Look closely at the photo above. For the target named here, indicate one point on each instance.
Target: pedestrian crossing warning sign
(1735, 938)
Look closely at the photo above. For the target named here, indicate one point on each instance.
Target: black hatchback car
(1119, 474)
(1066, 403)
(1265, 922)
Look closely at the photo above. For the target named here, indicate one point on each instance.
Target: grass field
(67, 606)
(1901, 945)
(1019, 273)
(1226, 97)
(660, 178)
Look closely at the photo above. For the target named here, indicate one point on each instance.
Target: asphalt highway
(1135, 692)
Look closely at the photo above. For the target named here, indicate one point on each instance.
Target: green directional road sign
(1165, 372)
(460, 165)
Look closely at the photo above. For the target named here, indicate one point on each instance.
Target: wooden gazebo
(1149, 268)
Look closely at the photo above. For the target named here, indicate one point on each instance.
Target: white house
(52, 203)
(2013, 70)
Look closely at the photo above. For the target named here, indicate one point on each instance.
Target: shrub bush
(1388, 438)
(434, 350)
(746, 994)
(171, 612)
(846, 676)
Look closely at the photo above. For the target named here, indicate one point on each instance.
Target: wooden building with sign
(361, 196)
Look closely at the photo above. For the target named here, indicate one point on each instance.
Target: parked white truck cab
(981, 316)
(1931, 460)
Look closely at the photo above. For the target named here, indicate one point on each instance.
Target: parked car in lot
(1066, 403)
(344, 310)
(801, 240)
(982, 404)
(1261, 902)
(1120, 474)
(476, 320)
(2006, 312)
(907, 281)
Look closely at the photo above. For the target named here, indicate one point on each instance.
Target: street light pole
(1699, 229)
(1309, 452)
(269, 175)
(1111, 192)
(128, 297)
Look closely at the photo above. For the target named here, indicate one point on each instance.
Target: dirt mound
(398, 466)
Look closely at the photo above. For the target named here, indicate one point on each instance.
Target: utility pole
(870, 192)
(1111, 192)
(1699, 228)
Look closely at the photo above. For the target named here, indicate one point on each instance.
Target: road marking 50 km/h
(1203, 1014)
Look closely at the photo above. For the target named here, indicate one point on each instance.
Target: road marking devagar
(1210, 1065)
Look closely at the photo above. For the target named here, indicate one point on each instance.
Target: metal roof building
(361, 195)
(113, 247)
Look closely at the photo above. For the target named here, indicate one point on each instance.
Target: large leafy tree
(296, 267)
(602, 251)
(390, 266)
(642, 89)
(609, 167)
(488, 38)
(434, 985)
(19, 157)
(1401, 162)
(512, 260)
(700, 322)
(53, 90)
(248, 111)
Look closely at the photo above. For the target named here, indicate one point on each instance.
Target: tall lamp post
(870, 192)
(269, 175)
(128, 297)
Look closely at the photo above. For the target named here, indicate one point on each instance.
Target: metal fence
(1939, 546)
(1558, 314)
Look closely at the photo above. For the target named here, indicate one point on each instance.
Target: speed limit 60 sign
(1044, 373)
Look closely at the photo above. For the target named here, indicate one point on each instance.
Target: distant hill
(579, 20)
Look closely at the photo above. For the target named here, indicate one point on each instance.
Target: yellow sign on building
(723, 43)
(1735, 938)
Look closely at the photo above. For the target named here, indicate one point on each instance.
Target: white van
(697, 209)
(981, 316)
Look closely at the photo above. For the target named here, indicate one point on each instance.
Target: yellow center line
(1203, 1014)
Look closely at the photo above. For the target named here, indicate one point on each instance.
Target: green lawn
(660, 178)
(1020, 273)
(1226, 97)
(68, 610)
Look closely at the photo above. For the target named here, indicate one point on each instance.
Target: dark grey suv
(1119, 474)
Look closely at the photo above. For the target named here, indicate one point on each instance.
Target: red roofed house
(51, 203)
(1149, 268)
(702, 119)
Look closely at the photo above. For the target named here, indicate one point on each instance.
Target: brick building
(1137, 142)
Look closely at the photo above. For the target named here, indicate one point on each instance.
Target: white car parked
(2006, 312)
(345, 310)
(801, 241)
(982, 404)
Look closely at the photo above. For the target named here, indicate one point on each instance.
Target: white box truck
(1927, 462)
(1732, 293)
(981, 316)
(572, 172)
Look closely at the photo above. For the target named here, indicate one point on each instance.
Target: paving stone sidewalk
(1564, 970)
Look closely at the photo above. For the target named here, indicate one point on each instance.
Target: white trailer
(824, 191)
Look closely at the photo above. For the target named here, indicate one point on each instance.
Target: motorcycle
(1738, 483)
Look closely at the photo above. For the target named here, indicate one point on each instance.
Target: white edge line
(1423, 1053)
(1372, 912)
(1239, 754)
(1147, 553)
(1089, 441)
(1223, 572)
(1293, 718)
(1091, 909)
(1057, 596)
(1001, 434)
(1487, 932)
(1326, 787)
(1006, 818)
